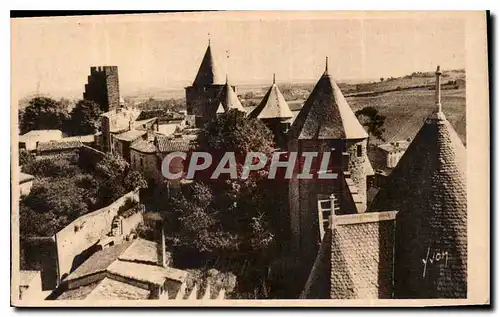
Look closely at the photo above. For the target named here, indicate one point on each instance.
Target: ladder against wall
(325, 207)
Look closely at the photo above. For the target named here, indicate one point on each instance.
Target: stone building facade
(103, 87)
(326, 124)
(204, 96)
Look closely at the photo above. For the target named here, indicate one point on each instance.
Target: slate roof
(166, 144)
(428, 187)
(130, 135)
(105, 289)
(131, 260)
(23, 177)
(109, 289)
(141, 250)
(78, 293)
(143, 146)
(208, 73)
(99, 261)
(368, 167)
(147, 273)
(119, 119)
(57, 134)
(229, 99)
(220, 109)
(393, 146)
(273, 105)
(326, 115)
(26, 277)
(82, 138)
(355, 259)
(57, 145)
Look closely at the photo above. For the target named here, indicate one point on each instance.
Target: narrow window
(359, 150)
(141, 162)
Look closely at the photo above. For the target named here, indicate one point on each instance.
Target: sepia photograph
(250, 159)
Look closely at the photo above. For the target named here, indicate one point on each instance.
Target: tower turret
(203, 96)
(274, 111)
(428, 189)
(326, 123)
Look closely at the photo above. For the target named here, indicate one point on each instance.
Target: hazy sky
(53, 55)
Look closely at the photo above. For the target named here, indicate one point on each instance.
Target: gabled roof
(428, 187)
(208, 73)
(130, 135)
(57, 145)
(229, 99)
(273, 105)
(166, 144)
(355, 259)
(144, 146)
(326, 115)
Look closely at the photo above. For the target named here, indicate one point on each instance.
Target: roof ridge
(327, 115)
(207, 72)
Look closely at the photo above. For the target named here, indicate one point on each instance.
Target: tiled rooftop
(273, 105)
(326, 115)
(141, 250)
(58, 145)
(109, 289)
(428, 187)
(355, 259)
(23, 177)
(208, 73)
(166, 144)
(130, 135)
(144, 146)
(146, 273)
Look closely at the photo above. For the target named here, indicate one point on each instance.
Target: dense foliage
(43, 113)
(62, 191)
(370, 118)
(84, 118)
(229, 217)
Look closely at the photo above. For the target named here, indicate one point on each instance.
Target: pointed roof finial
(209, 39)
(227, 81)
(438, 89)
(274, 78)
(326, 66)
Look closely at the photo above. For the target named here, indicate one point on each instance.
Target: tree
(134, 180)
(111, 166)
(232, 131)
(52, 167)
(381, 79)
(370, 118)
(25, 157)
(84, 118)
(43, 113)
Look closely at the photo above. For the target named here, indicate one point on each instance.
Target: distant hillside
(296, 93)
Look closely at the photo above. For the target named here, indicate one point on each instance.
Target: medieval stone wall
(103, 87)
(84, 232)
(357, 161)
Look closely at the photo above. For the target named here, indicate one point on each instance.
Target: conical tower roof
(208, 73)
(272, 106)
(428, 188)
(326, 115)
(229, 99)
(220, 109)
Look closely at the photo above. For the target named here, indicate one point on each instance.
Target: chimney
(130, 124)
(438, 89)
